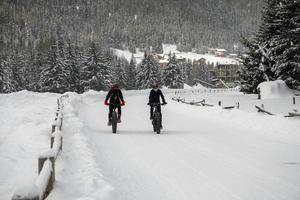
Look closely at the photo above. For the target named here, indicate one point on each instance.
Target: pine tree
(119, 74)
(54, 78)
(17, 73)
(172, 77)
(89, 74)
(2, 73)
(72, 65)
(251, 75)
(286, 44)
(130, 75)
(275, 51)
(148, 73)
(105, 72)
(96, 72)
(187, 72)
(32, 72)
(8, 81)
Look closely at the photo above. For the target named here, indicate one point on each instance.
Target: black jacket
(154, 96)
(114, 96)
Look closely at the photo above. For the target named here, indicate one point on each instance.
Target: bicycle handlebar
(114, 104)
(156, 104)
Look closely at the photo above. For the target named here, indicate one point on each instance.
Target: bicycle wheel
(156, 122)
(114, 122)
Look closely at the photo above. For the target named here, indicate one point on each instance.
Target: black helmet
(155, 86)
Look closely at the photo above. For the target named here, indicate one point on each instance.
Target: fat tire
(114, 123)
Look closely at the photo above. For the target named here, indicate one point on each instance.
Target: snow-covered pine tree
(79, 56)
(96, 71)
(148, 73)
(105, 66)
(130, 75)
(251, 75)
(286, 43)
(2, 63)
(18, 81)
(53, 77)
(72, 64)
(33, 69)
(275, 49)
(119, 73)
(187, 72)
(172, 77)
(7, 75)
(89, 73)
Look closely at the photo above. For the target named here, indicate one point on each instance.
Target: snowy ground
(202, 153)
(25, 126)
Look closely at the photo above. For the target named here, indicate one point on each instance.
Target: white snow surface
(274, 89)
(203, 152)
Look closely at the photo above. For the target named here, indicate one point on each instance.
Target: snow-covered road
(202, 153)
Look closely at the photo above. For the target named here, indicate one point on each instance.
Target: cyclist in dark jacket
(154, 97)
(114, 98)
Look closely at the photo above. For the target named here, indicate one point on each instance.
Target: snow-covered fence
(46, 163)
(206, 90)
(203, 103)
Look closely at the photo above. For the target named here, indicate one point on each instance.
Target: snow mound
(274, 89)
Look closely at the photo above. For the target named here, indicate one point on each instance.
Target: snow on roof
(170, 48)
(123, 53)
(211, 59)
(163, 61)
(221, 50)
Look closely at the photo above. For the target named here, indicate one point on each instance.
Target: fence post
(61, 143)
(52, 141)
(294, 100)
(53, 128)
(52, 177)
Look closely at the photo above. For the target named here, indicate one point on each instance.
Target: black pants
(111, 108)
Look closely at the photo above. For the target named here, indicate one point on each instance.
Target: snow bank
(274, 89)
(78, 175)
(25, 128)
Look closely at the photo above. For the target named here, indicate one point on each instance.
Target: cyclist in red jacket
(114, 98)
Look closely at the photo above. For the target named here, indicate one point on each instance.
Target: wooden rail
(43, 184)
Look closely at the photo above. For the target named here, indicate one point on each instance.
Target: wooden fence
(261, 109)
(46, 163)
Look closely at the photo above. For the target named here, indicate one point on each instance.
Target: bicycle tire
(156, 122)
(114, 122)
